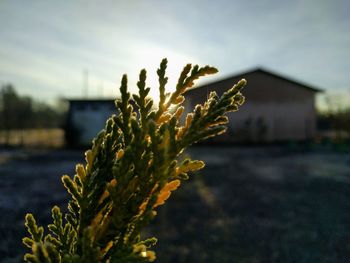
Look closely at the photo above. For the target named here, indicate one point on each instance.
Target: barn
(277, 108)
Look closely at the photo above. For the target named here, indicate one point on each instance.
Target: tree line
(18, 112)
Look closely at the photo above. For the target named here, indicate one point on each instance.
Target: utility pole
(85, 83)
(101, 89)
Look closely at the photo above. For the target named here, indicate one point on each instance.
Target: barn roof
(264, 71)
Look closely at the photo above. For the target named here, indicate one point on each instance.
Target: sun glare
(150, 58)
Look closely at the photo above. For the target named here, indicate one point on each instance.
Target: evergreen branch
(33, 229)
(186, 81)
(162, 82)
(141, 101)
(131, 170)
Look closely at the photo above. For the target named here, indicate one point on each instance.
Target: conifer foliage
(131, 170)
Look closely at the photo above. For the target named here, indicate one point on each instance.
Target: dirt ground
(249, 204)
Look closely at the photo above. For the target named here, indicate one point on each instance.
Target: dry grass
(36, 138)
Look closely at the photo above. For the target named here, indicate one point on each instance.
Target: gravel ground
(255, 204)
(29, 182)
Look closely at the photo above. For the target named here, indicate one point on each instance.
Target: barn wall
(275, 109)
(273, 121)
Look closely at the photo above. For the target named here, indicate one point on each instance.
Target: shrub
(130, 171)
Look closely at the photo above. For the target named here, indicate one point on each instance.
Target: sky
(46, 46)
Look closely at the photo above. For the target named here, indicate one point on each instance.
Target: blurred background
(276, 187)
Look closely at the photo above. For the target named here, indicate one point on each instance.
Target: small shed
(86, 117)
(277, 108)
